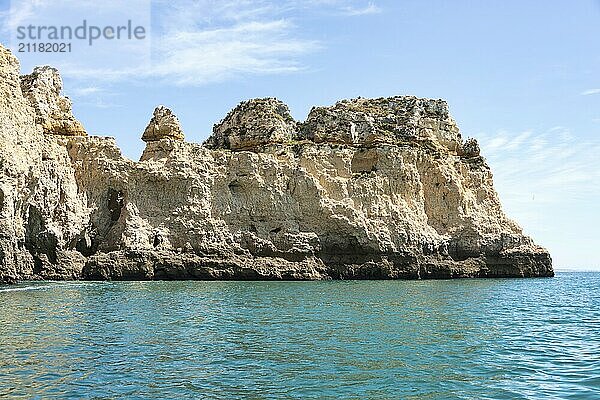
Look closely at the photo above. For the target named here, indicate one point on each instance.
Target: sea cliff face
(364, 189)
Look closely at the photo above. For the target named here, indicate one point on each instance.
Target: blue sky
(523, 77)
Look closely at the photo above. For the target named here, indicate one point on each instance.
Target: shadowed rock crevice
(115, 203)
(88, 241)
(39, 240)
(364, 161)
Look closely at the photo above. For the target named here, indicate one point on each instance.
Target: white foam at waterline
(40, 287)
(26, 288)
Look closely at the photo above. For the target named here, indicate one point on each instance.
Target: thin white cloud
(98, 102)
(86, 91)
(201, 42)
(549, 182)
(369, 9)
(196, 57)
(196, 42)
(94, 96)
(203, 56)
(15, 16)
(553, 166)
(590, 92)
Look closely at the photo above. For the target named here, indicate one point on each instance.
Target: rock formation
(163, 125)
(392, 120)
(53, 112)
(41, 213)
(364, 189)
(254, 123)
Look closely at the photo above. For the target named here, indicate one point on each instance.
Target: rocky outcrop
(42, 213)
(254, 123)
(394, 120)
(364, 189)
(52, 111)
(469, 149)
(163, 125)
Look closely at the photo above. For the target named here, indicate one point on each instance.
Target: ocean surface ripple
(459, 339)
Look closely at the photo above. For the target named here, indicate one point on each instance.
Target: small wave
(25, 288)
(42, 287)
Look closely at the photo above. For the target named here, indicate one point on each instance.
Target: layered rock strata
(365, 189)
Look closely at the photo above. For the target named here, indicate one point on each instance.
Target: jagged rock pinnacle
(163, 125)
(53, 112)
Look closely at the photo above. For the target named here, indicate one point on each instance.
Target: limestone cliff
(53, 112)
(366, 188)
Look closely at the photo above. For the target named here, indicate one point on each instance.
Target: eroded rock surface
(163, 125)
(53, 112)
(42, 213)
(254, 123)
(394, 120)
(364, 189)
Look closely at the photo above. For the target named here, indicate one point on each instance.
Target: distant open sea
(451, 339)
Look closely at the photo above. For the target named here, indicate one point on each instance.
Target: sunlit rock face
(364, 189)
(384, 120)
(42, 212)
(254, 123)
(52, 111)
(163, 125)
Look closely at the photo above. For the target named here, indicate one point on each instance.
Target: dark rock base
(135, 265)
(151, 265)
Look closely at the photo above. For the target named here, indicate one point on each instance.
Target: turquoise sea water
(461, 339)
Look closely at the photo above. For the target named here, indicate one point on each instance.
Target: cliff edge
(364, 189)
